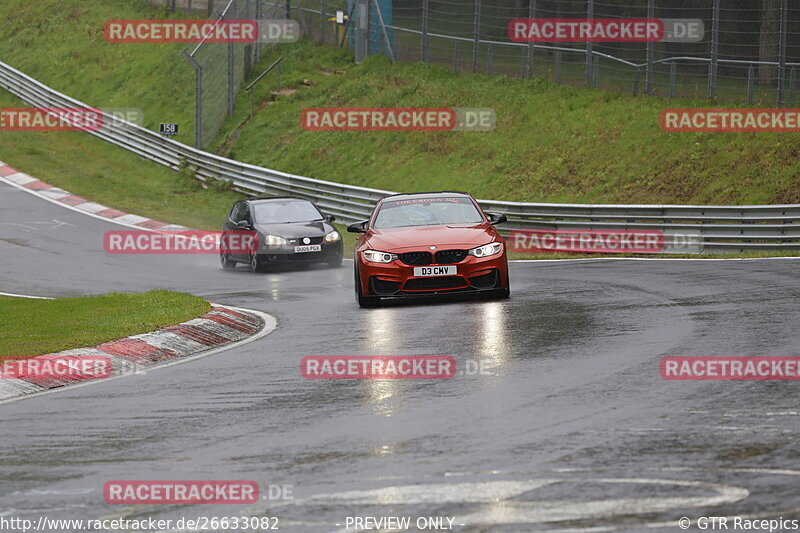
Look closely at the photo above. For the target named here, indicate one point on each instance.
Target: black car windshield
(427, 212)
(281, 211)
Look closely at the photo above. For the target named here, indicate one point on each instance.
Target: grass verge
(552, 143)
(36, 327)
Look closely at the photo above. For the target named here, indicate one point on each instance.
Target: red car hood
(421, 238)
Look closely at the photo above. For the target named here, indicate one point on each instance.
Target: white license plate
(307, 248)
(435, 271)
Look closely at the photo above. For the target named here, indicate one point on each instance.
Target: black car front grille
(448, 257)
(383, 287)
(435, 283)
(485, 281)
(299, 241)
(416, 258)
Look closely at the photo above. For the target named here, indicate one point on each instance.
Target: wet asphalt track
(571, 429)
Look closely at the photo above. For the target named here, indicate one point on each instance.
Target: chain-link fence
(750, 50)
(220, 68)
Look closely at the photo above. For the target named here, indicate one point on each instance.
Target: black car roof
(436, 194)
(268, 198)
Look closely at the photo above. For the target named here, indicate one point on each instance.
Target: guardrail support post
(476, 39)
(650, 81)
(792, 85)
(750, 82)
(456, 56)
(712, 67)
(489, 59)
(210, 8)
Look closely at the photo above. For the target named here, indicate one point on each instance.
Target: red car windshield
(427, 212)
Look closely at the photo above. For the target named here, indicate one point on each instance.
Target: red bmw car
(429, 243)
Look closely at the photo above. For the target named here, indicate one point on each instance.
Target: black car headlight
(274, 240)
(493, 248)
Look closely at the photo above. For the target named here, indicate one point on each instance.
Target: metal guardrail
(719, 228)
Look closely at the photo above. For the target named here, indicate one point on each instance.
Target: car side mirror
(244, 224)
(358, 227)
(330, 218)
(496, 218)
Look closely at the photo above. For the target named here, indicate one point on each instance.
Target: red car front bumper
(473, 274)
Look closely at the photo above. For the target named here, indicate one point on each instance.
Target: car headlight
(332, 236)
(493, 248)
(274, 240)
(374, 256)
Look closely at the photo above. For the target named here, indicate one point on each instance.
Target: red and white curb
(28, 183)
(220, 329)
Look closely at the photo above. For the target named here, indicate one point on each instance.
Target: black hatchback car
(286, 229)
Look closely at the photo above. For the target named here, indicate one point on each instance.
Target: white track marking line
(73, 208)
(270, 323)
(25, 296)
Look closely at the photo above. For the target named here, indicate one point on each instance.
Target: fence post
(712, 67)
(425, 15)
(323, 22)
(589, 46)
(231, 67)
(750, 82)
(596, 71)
(531, 15)
(259, 16)
(558, 66)
(650, 81)
(782, 54)
(361, 29)
(198, 100)
(673, 74)
(523, 62)
(477, 36)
